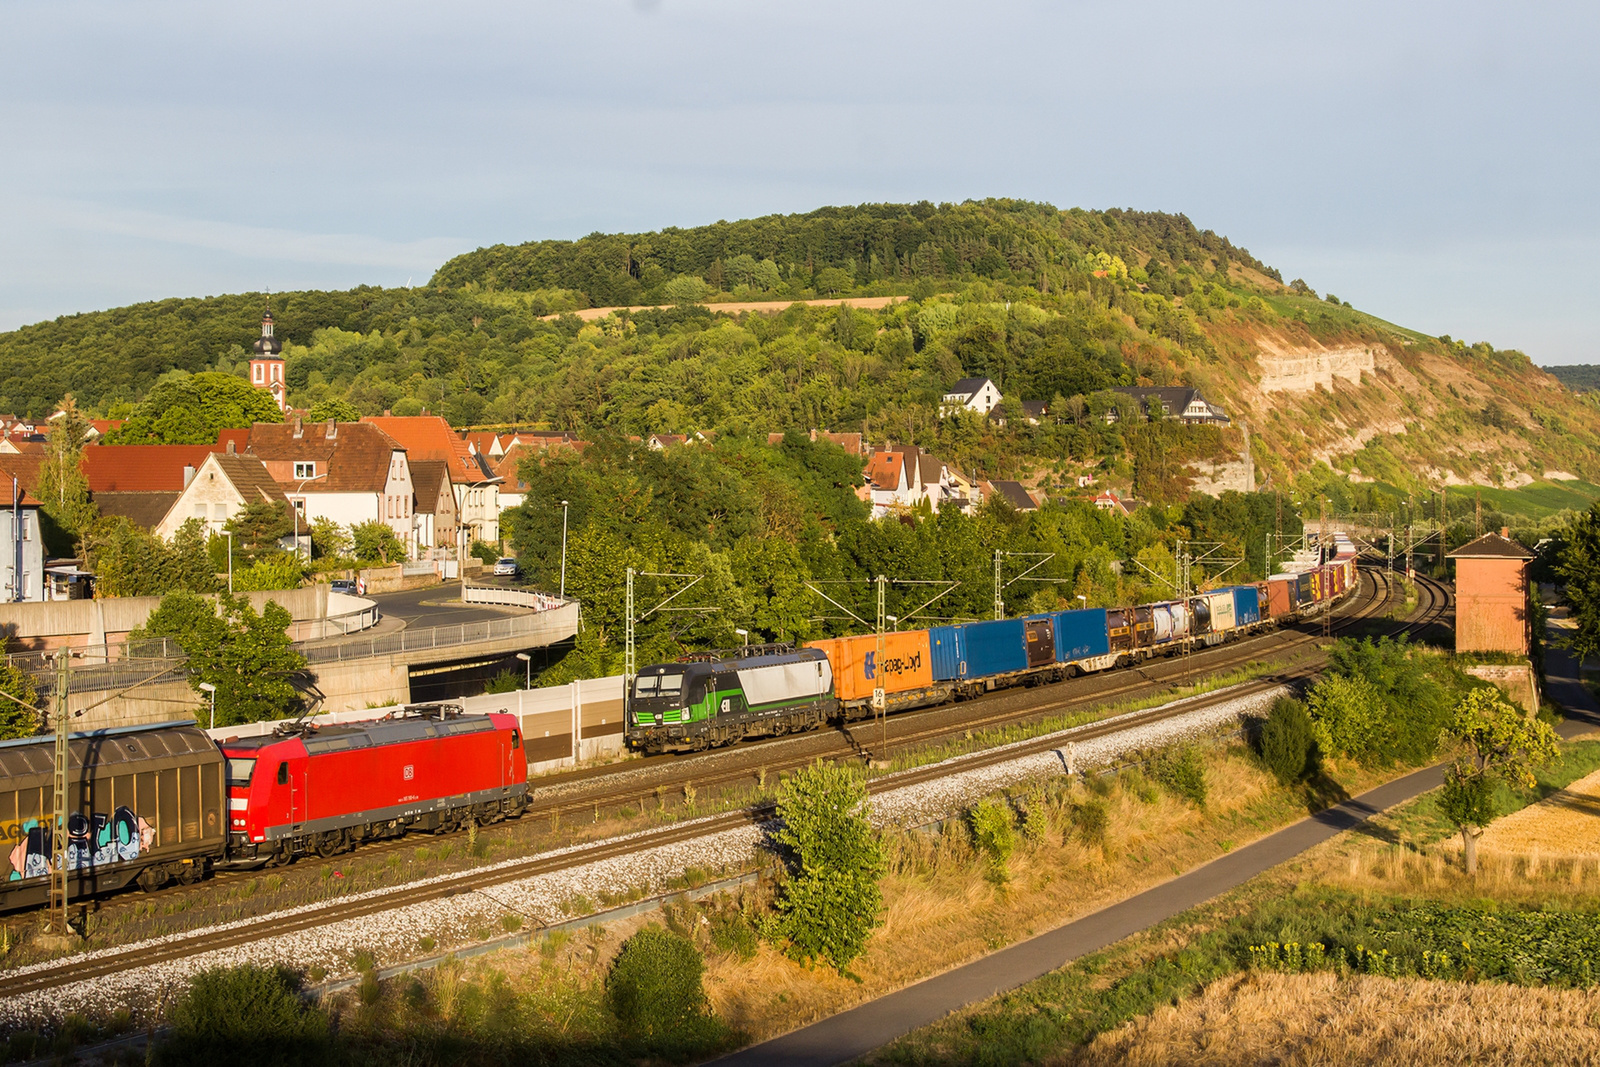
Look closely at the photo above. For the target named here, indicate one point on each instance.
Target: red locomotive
(327, 789)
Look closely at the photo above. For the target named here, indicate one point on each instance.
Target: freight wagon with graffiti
(146, 807)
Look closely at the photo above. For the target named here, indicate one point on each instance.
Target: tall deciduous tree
(63, 491)
(129, 561)
(246, 654)
(1502, 743)
(189, 409)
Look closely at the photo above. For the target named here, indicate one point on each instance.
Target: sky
(1432, 163)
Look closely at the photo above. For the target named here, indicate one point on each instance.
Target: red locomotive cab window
(283, 774)
(516, 740)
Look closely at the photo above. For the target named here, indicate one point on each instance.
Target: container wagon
(146, 806)
(326, 789)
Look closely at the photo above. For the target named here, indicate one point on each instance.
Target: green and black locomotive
(678, 707)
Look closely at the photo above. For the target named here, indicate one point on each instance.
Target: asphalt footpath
(854, 1033)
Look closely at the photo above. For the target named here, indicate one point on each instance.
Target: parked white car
(506, 567)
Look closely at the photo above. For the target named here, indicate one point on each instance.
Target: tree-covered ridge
(1579, 377)
(870, 247)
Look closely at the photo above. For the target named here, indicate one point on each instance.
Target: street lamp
(207, 687)
(527, 663)
(893, 621)
(744, 634)
(563, 550)
(1084, 599)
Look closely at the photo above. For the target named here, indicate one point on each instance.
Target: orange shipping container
(907, 663)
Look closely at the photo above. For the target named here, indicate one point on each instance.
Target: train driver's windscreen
(239, 771)
(658, 685)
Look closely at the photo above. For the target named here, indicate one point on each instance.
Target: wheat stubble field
(1294, 1019)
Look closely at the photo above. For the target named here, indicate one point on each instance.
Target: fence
(549, 626)
(509, 596)
(359, 614)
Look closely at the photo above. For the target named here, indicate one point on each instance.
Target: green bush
(1287, 744)
(655, 988)
(245, 1015)
(993, 832)
(1090, 820)
(1380, 703)
(1181, 771)
(732, 933)
(507, 681)
(830, 903)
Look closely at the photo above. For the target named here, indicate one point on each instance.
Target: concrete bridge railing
(540, 627)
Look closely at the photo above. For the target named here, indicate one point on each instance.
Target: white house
(350, 472)
(224, 485)
(974, 394)
(19, 538)
(477, 489)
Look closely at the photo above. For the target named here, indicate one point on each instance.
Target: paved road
(851, 1034)
(444, 607)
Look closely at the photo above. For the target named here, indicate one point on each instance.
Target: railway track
(590, 792)
(1433, 602)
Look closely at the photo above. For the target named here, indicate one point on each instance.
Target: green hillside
(1056, 306)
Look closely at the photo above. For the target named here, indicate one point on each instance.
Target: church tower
(266, 366)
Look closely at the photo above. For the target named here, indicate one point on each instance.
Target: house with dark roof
(1492, 595)
(971, 394)
(223, 485)
(349, 472)
(437, 518)
(1013, 493)
(1173, 402)
(476, 486)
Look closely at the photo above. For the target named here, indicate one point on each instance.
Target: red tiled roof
(8, 500)
(356, 458)
(141, 468)
(429, 437)
(884, 470)
(26, 468)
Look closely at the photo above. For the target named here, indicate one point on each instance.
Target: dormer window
(305, 470)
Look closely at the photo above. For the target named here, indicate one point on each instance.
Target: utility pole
(999, 604)
(56, 923)
(880, 703)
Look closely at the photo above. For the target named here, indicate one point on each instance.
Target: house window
(305, 470)
(200, 512)
(27, 535)
(257, 368)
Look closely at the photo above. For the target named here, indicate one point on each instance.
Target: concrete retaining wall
(84, 623)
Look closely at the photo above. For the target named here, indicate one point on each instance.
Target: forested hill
(840, 249)
(1055, 306)
(1579, 377)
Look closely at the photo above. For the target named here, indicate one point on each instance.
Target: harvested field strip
(1321, 1018)
(1566, 823)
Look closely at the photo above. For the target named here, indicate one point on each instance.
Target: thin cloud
(254, 242)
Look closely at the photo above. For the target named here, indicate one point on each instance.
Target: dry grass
(942, 910)
(1566, 823)
(1257, 1018)
(1436, 871)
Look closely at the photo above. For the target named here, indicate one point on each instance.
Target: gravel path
(545, 898)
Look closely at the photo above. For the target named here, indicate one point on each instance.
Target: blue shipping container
(999, 646)
(1246, 605)
(978, 649)
(1081, 634)
(948, 649)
